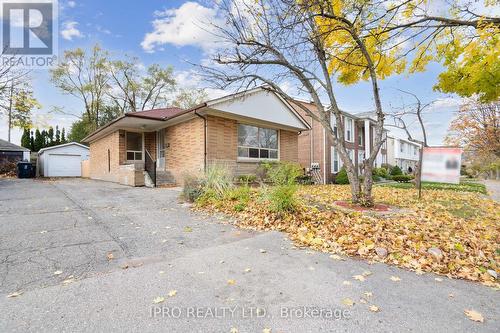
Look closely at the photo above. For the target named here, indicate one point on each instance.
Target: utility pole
(10, 107)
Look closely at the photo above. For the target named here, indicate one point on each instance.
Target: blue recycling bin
(25, 170)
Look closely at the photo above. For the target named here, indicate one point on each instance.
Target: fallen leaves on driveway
(158, 300)
(374, 308)
(348, 302)
(172, 293)
(15, 294)
(446, 232)
(110, 256)
(474, 315)
(395, 278)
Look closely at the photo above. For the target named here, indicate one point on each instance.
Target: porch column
(367, 139)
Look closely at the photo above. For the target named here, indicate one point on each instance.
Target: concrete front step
(164, 177)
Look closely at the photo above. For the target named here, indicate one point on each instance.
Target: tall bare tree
(273, 41)
(85, 76)
(138, 89)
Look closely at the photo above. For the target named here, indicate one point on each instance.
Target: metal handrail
(150, 166)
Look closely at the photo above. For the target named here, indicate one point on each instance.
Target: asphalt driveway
(93, 256)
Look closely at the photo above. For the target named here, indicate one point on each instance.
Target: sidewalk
(493, 187)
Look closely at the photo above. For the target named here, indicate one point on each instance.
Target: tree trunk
(367, 199)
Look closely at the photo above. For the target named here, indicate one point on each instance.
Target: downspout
(204, 141)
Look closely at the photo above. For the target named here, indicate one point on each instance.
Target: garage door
(64, 165)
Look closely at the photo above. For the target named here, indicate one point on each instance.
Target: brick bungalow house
(239, 130)
(316, 149)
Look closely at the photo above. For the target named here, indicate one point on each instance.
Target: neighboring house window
(134, 146)
(334, 126)
(350, 153)
(349, 129)
(415, 150)
(257, 142)
(360, 137)
(402, 147)
(335, 161)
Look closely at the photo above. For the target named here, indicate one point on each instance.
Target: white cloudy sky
(171, 33)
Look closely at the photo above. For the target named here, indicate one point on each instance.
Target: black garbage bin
(25, 170)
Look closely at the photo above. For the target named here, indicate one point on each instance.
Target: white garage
(62, 161)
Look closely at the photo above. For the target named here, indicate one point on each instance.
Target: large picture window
(257, 142)
(134, 146)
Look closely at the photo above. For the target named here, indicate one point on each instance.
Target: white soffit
(262, 105)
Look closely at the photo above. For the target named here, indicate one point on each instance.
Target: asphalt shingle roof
(161, 114)
(7, 146)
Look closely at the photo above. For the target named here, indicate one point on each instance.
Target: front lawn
(447, 232)
(463, 186)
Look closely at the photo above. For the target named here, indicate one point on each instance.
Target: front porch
(145, 151)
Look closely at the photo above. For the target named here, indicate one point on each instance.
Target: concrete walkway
(493, 187)
(90, 256)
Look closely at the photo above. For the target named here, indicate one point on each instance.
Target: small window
(256, 142)
(360, 137)
(134, 146)
(349, 129)
(335, 161)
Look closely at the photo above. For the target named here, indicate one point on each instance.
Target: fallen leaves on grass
(474, 315)
(461, 228)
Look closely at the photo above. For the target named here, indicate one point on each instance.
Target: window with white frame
(335, 161)
(134, 146)
(257, 143)
(415, 150)
(402, 147)
(349, 130)
(360, 137)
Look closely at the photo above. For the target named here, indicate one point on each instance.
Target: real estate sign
(441, 164)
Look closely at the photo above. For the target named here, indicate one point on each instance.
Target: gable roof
(63, 145)
(268, 99)
(8, 146)
(165, 114)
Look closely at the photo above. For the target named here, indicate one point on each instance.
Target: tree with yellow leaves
(314, 44)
